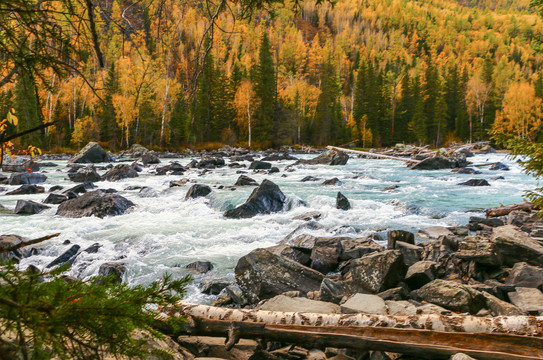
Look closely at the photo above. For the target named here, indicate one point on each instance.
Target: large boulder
(358, 247)
(197, 190)
(451, 295)
(528, 299)
(263, 275)
(299, 304)
(325, 254)
(27, 207)
(329, 157)
(91, 153)
(121, 171)
(27, 190)
(149, 158)
(399, 235)
(421, 273)
(297, 255)
(516, 246)
(115, 270)
(9, 241)
(85, 174)
(26, 178)
(438, 163)
(376, 272)
(95, 203)
(265, 199)
(364, 303)
(525, 275)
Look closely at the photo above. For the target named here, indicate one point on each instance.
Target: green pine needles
(45, 315)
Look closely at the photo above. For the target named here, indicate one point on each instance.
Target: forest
(367, 72)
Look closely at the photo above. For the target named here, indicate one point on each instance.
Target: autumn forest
(367, 72)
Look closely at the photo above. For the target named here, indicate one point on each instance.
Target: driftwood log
(424, 336)
(375, 155)
(506, 210)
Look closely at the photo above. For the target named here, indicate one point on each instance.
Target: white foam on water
(165, 232)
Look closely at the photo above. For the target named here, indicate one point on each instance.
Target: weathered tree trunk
(422, 344)
(423, 336)
(506, 210)
(520, 325)
(372, 154)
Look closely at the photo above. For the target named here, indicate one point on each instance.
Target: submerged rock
(91, 153)
(265, 199)
(465, 170)
(333, 181)
(499, 166)
(475, 182)
(27, 190)
(95, 203)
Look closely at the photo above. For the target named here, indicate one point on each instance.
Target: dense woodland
(371, 71)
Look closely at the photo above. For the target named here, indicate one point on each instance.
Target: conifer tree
(265, 92)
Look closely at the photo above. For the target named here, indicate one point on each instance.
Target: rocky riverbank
(490, 267)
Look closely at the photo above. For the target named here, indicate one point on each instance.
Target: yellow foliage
(521, 114)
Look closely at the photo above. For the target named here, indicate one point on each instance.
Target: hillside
(376, 72)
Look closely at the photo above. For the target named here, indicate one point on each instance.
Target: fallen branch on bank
(506, 210)
(423, 336)
(375, 155)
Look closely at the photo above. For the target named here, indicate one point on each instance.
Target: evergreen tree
(265, 91)
(108, 123)
(328, 123)
(179, 123)
(202, 117)
(27, 109)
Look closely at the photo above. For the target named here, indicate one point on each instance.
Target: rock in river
(24, 178)
(342, 202)
(330, 157)
(265, 199)
(263, 275)
(91, 153)
(197, 190)
(97, 203)
(27, 207)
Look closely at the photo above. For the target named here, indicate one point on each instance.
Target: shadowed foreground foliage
(44, 315)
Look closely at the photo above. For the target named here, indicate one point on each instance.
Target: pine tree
(108, 124)
(27, 109)
(328, 126)
(265, 91)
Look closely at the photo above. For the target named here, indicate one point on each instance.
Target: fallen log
(506, 210)
(519, 325)
(375, 155)
(422, 344)
(422, 336)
